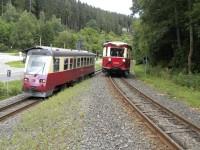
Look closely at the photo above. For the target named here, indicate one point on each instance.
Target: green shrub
(3, 47)
(191, 81)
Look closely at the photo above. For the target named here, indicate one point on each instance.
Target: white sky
(119, 6)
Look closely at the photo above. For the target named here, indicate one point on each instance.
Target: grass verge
(165, 82)
(16, 64)
(52, 124)
(98, 65)
(14, 88)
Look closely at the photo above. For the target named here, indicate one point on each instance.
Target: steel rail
(185, 121)
(98, 71)
(16, 101)
(11, 110)
(12, 101)
(165, 138)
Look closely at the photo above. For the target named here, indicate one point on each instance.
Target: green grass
(51, 124)
(165, 83)
(14, 51)
(14, 88)
(98, 66)
(16, 64)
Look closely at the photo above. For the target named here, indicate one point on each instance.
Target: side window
(66, 64)
(74, 62)
(85, 61)
(88, 61)
(92, 60)
(71, 63)
(56, 62)
(82, 63)
(78, 62)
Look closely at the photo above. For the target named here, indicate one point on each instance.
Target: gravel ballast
(103, 123)
(107, 124)
(173, 104)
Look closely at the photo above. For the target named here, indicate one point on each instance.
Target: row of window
(72, 63)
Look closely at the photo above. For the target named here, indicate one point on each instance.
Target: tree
(66, 39)
(25, 31)
(170, 29)
(5, 30)
(11, 14)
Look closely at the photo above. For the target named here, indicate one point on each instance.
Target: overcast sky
(119, 6)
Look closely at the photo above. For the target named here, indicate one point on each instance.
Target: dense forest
(62, 23)
(168, 33)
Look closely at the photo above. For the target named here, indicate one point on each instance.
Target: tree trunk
(191, 50)
(177, 28)
(191, 41)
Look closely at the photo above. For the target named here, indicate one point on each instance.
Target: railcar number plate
(116, 63)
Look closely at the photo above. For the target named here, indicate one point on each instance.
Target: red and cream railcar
(47, 68)
(116, 58)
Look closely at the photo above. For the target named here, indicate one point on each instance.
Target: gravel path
(173, 104)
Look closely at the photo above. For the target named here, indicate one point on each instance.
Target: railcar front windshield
(117, 52)
(37, 64)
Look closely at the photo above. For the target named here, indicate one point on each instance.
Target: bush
(191, 81)
(3, 47)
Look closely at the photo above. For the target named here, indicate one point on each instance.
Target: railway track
(15, 105)
(175, 131)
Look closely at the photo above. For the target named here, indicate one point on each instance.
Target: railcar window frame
(71, 63)
(74, 63)
(82, 61)
(88, 61)
(66, 63)
(56, 66)
(85, 61)
(78, 62)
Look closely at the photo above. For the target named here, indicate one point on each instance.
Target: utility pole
(40, 41)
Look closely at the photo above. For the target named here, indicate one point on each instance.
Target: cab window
(118, 52)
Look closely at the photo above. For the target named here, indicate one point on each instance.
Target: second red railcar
(116, 58)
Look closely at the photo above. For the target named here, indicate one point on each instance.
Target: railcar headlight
(124, 60)
(42, 81)
(26, 79)
(109, 59)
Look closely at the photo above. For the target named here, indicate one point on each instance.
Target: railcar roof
(116, 43)
(53, 51)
